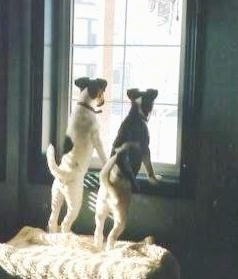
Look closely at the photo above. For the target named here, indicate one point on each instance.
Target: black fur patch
(82, 82)
(68, 144)
(94, 85)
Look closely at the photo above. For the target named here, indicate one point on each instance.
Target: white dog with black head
(82, 137)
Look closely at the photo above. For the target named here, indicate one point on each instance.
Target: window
(133, 44)
(114, 42)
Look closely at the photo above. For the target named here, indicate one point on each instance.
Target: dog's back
(82, 125)
(110, 169)
(132, 129)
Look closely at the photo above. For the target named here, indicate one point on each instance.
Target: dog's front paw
(155, 179)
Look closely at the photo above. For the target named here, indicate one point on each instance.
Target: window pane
(154, 67)
(100, 23)
(102, 61)
(163, 135)
(154, 22)
(103, 22)
(47, 77)
(82, 36)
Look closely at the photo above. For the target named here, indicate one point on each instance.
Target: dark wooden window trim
(190, 102)
(36, 169)
(3, 89)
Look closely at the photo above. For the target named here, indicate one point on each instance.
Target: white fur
(69, 175)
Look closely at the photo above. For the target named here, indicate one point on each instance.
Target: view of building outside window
(132, 44)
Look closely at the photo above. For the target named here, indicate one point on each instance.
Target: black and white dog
(118, 176)
(82, 136)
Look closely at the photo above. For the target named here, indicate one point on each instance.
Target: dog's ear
(153, 93)
(133, 94)
(102, 83)
(82, 83)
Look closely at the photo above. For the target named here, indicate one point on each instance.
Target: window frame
(61, 31)
(36, 86)
(60, 88)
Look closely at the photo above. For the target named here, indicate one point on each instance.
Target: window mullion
(124, 58)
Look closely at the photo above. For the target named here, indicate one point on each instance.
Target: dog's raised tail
(53, 167)
(50, 156)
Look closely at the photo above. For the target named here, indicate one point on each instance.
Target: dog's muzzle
(100, 100)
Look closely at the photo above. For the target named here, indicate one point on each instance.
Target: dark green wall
(217, 89)
(209, 217)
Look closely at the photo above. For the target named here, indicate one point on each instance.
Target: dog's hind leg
(73, 197)
(102, 209)
(101, 214)
(57, 200)
(119, 217)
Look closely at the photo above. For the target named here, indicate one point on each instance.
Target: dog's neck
(85, 98)
(86, 101)
(137, 111)
(142, 115)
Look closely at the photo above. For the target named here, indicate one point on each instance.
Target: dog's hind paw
(155, 179)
